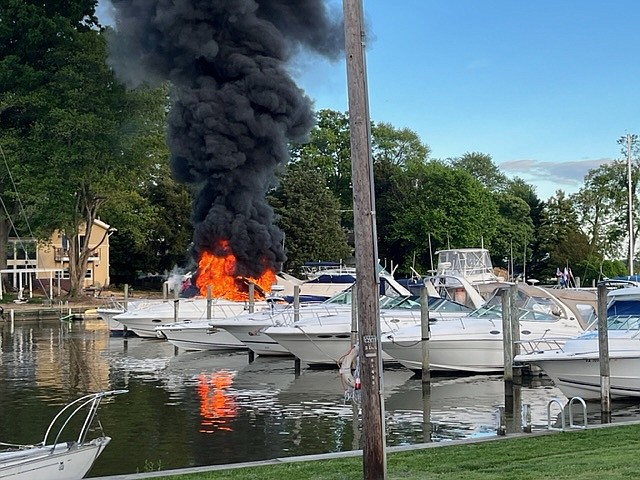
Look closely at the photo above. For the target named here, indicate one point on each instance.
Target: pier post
(514, 314)
(425, 334)
(125, 304)
(603, 347)
(506, 337)
(296, 303)
(252, 296)
(296, 366)
(176, 314)
(526, 418)
(508, 320)
(502, 422)
(209, 301)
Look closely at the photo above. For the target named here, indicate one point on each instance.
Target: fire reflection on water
(217, 405)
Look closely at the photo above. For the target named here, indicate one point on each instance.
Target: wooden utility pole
(367, 280)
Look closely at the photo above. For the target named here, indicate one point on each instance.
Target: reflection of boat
(475, 344)
(53, 458)
(462, 406)
(575, 366)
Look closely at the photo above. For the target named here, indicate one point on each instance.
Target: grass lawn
(600, 453)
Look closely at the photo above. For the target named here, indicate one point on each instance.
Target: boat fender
(346, 362)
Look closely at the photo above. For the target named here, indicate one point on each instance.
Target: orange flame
(219, 272)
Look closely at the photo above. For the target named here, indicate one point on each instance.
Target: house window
(21, 250)
(63, 274)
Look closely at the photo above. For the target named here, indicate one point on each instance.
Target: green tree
(34, 40)
(433, 200)
(393, 146)
(309, 215)
(514, 231)
(84, 140)
(329, 150)
(562, 242)
(481, 167)
(602, 207)
(393, 150)
(529, 243)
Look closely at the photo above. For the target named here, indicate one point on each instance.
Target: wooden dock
(35, 311)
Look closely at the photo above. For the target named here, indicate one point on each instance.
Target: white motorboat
(249, 328)
(323, 338)
(474, 343)
(54, 458)
(144, 319)
(210, 334)
(575, 366)
(199, 335)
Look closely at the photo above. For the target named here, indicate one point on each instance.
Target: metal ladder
(573, 401)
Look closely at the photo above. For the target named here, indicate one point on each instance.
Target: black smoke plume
(235, 107)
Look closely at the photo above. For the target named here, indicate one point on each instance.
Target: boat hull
(61, 463)
(316, 349)
(580, 377)
(143, 321)
(478, 356)
(200, 336)
(256, 340)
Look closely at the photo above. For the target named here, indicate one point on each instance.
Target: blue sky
(546, 87)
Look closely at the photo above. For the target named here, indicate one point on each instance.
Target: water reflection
(201, 408)
(217, 404)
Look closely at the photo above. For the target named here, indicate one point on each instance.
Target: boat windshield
(495, 311)
(436, 304)
(623, 322)
(623, 315)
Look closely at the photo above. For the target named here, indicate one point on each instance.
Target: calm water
(198, 408)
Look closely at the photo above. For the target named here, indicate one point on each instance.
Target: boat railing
(90, 402)
(541, 344)
(286, 316)
(113, 303)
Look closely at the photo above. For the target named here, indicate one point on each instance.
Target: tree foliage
(429, 203)
(309, 215)
(80, 138)
(481, 167)
(562, 242)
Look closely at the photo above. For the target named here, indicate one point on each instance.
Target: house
(30, 261)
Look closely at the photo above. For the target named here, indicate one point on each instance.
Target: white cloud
(550, 176)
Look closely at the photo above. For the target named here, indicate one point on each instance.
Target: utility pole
(367, 280)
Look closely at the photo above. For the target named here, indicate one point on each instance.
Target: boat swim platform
(354, 453)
